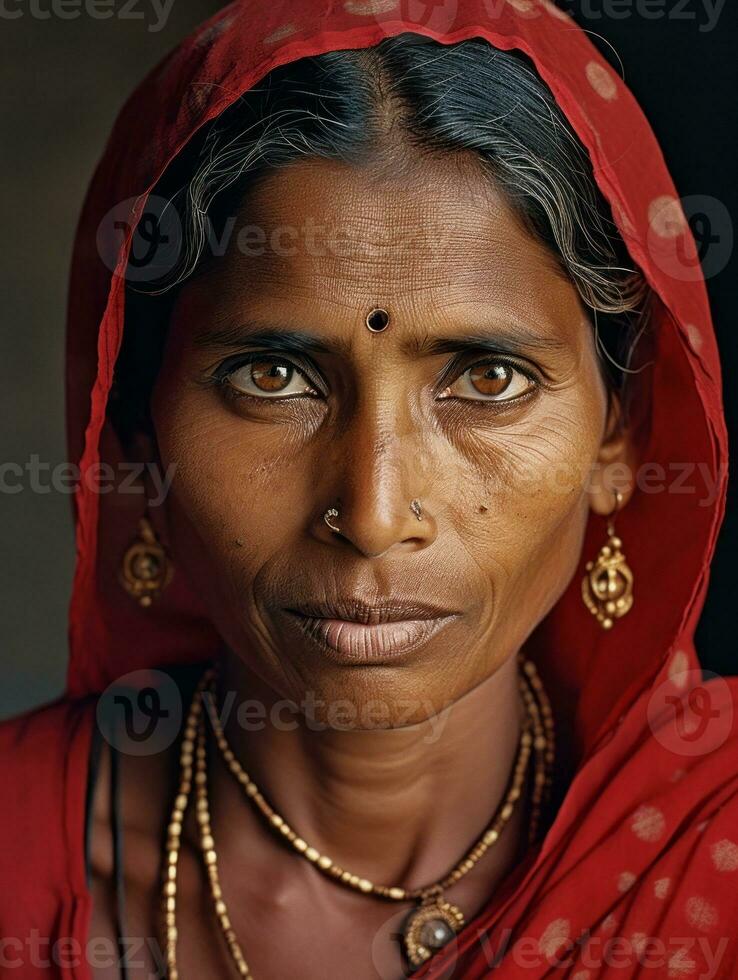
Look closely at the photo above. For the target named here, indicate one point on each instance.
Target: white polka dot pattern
(666, 217)
(694, 336)
(661, 887)
(555, 933)
(681, 964)
(523, 6)
(700, 913)
(286, 30)
(678, 669)
(626, 880)
(601, 81)
(724, 854)
(369, 8)
(648, 823)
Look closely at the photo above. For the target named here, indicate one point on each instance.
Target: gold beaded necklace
(434, 921)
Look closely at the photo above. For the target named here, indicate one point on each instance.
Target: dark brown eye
(491, 379)
(269, 378)
(497, 381)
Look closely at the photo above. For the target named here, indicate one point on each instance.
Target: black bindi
(377, 320)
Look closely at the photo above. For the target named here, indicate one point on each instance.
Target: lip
(351, 642)
(355, 610)
(355, 632)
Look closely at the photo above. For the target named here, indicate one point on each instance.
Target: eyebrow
(513, 339)
(271, 339)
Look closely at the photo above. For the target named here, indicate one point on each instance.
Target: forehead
(434, 233)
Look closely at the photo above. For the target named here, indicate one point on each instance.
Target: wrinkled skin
(506, 460)
(501, 483)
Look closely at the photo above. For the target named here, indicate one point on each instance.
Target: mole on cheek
(482, 509)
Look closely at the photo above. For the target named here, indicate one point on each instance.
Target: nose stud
(332, 513)
(377, 320)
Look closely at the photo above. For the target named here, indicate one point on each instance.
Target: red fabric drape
(645, 843)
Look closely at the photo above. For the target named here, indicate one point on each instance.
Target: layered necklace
(433, 921)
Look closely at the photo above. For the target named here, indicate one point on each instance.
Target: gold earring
(146, 569)
(607, 588)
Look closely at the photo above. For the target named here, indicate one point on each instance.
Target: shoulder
(675, 863)
(44, 760)
(24, 729)
(42, 738)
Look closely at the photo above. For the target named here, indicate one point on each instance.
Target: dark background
(686, 81)
(61, 84)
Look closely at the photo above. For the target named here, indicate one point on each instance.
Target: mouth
(351, 631)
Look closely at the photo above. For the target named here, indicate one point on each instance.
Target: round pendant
(430, 927)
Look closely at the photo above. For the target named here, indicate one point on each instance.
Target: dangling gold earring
(146, 569)
(607, 588)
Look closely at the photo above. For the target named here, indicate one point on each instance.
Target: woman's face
(483, 400)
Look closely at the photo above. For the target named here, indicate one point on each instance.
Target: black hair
(406, 96)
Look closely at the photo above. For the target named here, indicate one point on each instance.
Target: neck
(397, 805)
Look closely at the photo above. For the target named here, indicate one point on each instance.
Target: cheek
(237, 491)
(531, 478)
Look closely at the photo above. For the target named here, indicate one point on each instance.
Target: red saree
(638, 874)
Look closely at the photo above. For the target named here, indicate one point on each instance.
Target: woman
(409, 355)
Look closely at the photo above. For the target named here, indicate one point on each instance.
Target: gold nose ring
(332, 513)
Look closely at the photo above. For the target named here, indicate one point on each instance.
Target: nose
(381, 490)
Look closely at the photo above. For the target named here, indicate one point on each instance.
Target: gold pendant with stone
(607, 588)
(430, 926)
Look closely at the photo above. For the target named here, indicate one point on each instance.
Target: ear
(142, 451)
(615, 466)
(141, 448)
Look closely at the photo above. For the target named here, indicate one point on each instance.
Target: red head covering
(646, 840)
